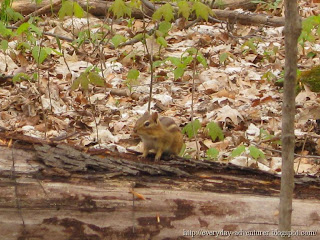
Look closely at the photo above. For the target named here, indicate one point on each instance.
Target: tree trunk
(292, 31)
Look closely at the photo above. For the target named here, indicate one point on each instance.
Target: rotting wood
(94, 204)
(231, 178)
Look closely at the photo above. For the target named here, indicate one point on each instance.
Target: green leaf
(35, 75)
(182, 151)
(48, 50)
(96, 79)
(268, 76)
(135, 3)
(39, 57)
(157, 63)
(117, 40)
(187, 60)
(164, 27)
(119, 9)
(159, 33)
(223, 57)
(201, 59)
(214, 131)
(178, 72)
(238, 151)
(13, 15)
(23, 46)
(165, 11)
(88, 69)
(23, 28)
(35, 29)
(162, 41)
(308, 25)
(139, 36)
(59, 43)
(66, 9)
(255, 152)
(20, 77)
(311, 54)
(195, 125)
(78, 11)
(56, 52)
(174, 60)
(212, 153)
(75, 84)
(133, 74)
(70, 8)
(202, 10)
(4, 45)
(184, 9)
(191, 51)
(84, 81)
(4, 31)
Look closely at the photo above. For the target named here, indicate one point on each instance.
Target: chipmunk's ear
(155, 117)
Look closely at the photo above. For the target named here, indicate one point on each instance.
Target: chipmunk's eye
(147, 123)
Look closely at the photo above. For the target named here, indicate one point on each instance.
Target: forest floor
(237, 90)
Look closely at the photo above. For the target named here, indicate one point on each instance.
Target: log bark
(235, 4)
(57, 192)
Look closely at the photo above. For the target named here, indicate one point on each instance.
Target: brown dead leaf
(228, 112)
(304, 96)
(57, 123)
(222, 145)
(118, 126)
(81, 99)
(175, 39)
(41, 127)
(258, 101)
(68, 77)
(138, 25)
(5, 115)
(32, 121)
(23, 61)
(223, 36)
(225, 93)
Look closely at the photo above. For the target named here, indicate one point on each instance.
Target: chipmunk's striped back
(170, 124)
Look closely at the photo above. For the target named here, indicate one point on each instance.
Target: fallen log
(100, 8)
(51, 191)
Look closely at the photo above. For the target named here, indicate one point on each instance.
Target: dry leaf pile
(236, 94)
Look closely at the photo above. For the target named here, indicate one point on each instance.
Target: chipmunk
(160, 135)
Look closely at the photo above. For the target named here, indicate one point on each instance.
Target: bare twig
(192, 100)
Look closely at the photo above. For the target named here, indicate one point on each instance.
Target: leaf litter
(232, 93)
